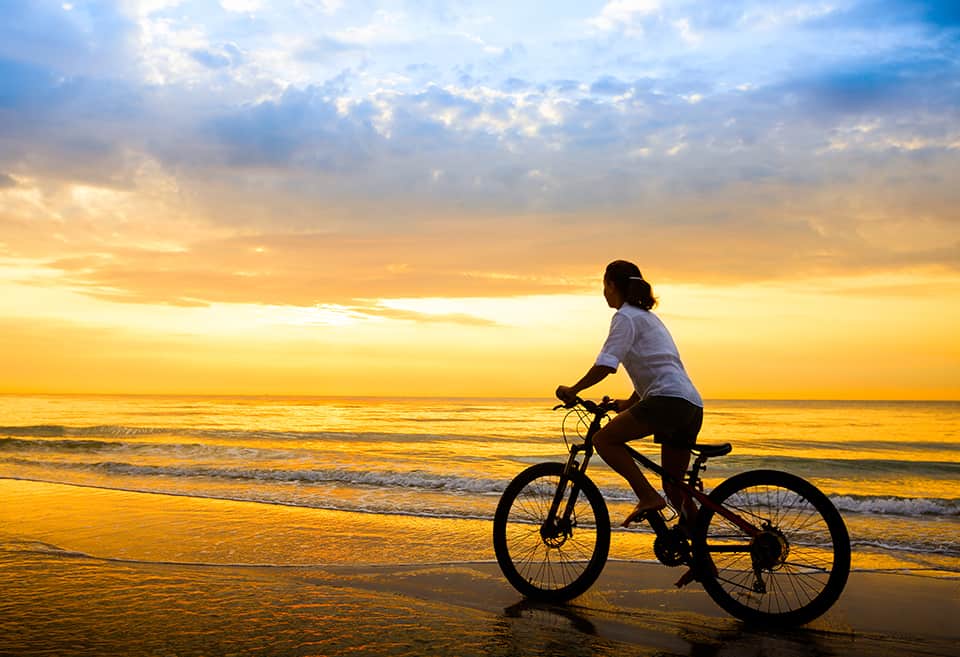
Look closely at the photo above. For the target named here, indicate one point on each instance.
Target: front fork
(560, 520)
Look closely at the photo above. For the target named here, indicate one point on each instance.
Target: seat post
(700, 463)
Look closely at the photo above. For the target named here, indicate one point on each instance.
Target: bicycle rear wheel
(793, 570)
(547, 558)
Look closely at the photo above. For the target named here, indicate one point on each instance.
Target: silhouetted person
(664, 402)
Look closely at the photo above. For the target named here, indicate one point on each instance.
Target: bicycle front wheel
(546, 556)
(789, 573)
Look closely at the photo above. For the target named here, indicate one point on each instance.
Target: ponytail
(640, 293)
(628, 280)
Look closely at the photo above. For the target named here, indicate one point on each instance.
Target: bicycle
(767, 546)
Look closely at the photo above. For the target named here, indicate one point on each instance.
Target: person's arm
(594, 375)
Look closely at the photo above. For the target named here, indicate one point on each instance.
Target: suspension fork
(558, 518)
(562, 523)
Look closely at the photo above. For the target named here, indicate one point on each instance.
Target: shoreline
(928, 572)
(103, 564)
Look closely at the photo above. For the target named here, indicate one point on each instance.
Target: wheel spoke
(802, 550)
(561, 559)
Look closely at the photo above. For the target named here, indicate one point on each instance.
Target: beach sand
(87, 571)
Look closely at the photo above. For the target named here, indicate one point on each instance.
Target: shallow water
(891, 468)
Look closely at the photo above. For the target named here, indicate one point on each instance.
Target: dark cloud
(23, 84)
(7, 182)
(609, 86)
(301, 128)
(514, 85)
(938, 14)
(91, 39)
(878, 88)
(68, 128)
(565, 86)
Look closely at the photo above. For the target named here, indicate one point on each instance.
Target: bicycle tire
(571, 564)
(802, 554)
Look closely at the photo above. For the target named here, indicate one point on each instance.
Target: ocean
(891, 468)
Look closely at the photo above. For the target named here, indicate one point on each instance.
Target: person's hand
(566, 394)
(622, 404)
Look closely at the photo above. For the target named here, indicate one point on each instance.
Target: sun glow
(819, 340)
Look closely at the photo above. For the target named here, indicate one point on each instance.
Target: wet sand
(98, 572)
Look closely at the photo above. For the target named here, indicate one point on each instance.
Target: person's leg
(609, 443)
(675, 461)
(675, 456)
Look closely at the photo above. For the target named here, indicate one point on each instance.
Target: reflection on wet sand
(77, 606)
(87, 573)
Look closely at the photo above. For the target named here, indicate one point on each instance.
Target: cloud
(241, 6)
(624, 14)
(88, 39)
(301, 128)
(920, 83)
(6, 181)
(936, 14)
(378, 310)
(225, 56)
(324, 49)
(609, 86)
(788, 159)
(792, 235)
(307, 269)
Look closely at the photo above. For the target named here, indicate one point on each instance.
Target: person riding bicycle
(664, 403)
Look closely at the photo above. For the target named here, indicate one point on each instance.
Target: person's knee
(606, 439)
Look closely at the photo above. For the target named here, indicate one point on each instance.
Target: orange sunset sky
(408, 198)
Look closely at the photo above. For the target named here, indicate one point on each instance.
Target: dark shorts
(674, 421)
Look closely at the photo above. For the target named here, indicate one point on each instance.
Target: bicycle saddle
(710, 451)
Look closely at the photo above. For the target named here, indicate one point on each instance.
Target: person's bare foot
(643, 508)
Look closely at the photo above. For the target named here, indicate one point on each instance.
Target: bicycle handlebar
(605, 405)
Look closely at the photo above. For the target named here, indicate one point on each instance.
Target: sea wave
(896, 506)
(103, 438)
(46, 431)
(373, 478)
(57, 430)
(861, 505)
(867, 538)
(178, 450)
(919, 546)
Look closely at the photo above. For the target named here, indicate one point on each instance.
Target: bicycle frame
(739, 547)
(692, 488)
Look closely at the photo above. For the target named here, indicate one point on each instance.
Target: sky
(340, 197)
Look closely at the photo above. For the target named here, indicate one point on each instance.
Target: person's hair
(629, 282)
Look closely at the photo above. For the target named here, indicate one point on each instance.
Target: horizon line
(214, 395)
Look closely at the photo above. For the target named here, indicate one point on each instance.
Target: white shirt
(640, 341)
